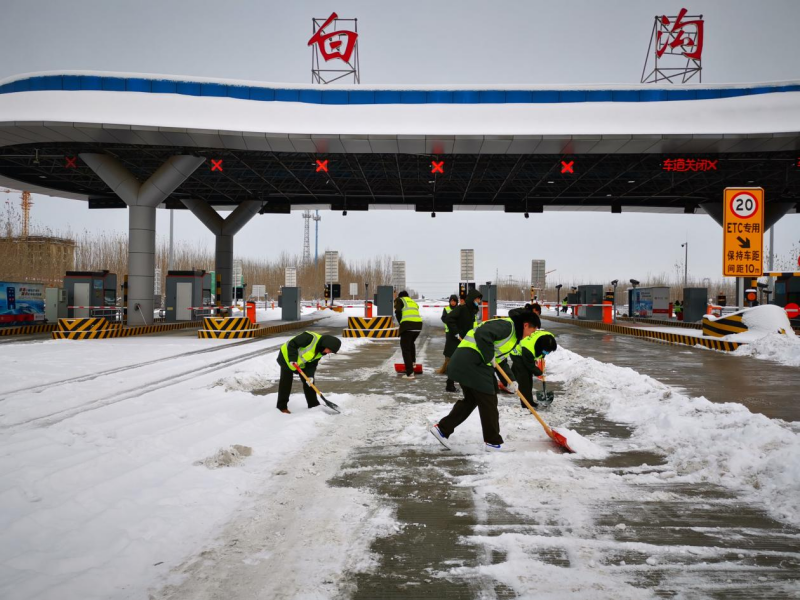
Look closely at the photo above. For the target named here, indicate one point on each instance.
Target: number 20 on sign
(743, 232)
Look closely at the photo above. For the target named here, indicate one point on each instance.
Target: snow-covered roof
(218, 105)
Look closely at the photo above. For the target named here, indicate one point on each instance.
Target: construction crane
(26, 203)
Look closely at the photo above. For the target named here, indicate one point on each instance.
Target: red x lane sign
(71, 162)
(437, 166)
(322, 165)
(216, 165)
(566, 167)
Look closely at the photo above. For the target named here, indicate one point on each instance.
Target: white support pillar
(142, 200)
(224, 230)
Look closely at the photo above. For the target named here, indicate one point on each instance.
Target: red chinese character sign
(334, 50)
(689, 165)
(676, 49)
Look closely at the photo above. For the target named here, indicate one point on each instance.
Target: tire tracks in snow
(140, 390)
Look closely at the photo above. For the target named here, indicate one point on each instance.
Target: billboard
(21, 303)
(648, 302)
(399, 275)
(467, 265)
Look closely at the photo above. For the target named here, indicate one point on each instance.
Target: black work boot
(451, 386)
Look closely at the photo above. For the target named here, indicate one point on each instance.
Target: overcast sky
(447, 41)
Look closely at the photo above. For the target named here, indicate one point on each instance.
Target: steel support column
(142, 200)
(224, 230)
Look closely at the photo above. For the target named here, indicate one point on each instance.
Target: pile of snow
(767, 318)
(782, 348)
(702, 441)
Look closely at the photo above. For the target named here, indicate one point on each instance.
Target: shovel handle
(547, 429)
(308, 381)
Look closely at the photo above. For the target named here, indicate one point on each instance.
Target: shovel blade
(560, 440)
(329, 404)
(545, 399)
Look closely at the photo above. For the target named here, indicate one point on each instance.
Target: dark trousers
(487, 408)
(285, 387)
(409, 349)
(524, 377)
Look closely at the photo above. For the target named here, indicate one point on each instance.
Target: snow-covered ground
(116, 472)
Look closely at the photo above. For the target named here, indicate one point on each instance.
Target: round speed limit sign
(744, 205)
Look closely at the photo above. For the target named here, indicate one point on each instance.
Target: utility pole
(317, 219)
(306, 244)
(686, 265)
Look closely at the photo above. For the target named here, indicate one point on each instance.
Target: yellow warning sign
(743, 232)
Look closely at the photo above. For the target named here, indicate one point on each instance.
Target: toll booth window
(110, 298)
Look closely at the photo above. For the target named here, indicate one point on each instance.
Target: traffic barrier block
(369, 323)
(228, 324)
(86, 324)
(28, 329)
(724, 326)
(234, 334)
(392, 332)
(93, 328)
(656, 336)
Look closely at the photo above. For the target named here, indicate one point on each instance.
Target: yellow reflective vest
(410, 312)
(501, 347)
(305, 355)
(529, 343)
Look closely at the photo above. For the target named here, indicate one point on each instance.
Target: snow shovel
(328, 403)
(553, 435)
(401, 368)
(544, 398)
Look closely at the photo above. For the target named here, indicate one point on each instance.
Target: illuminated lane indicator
(743, 232)
(322, 166)
(566, 167)
(71, 162)
(437, 166)
(216, 165)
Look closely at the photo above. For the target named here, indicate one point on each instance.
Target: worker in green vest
(472, 365)
(303, 351)
(460, 321)
(527, 356)
(450, 335)
(564, 305)
(407, 313)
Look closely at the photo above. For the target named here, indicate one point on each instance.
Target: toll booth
(290, 303)
(384, 299)
(55, 304)
(694, 304)
(96, 289)
(489, 293)
(185, 290)
(590, 294)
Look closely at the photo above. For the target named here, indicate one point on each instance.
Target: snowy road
(135, 491)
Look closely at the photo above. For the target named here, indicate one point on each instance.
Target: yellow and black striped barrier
(28, 329)
(156, 328)
(661, 322)
(209, 334)
(234, 334)
(369, 322)
(648, 334)
(392, 332)
(91, 328)
(228, 324)
(724, 326)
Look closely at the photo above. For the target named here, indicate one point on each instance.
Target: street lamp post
(686, 265)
